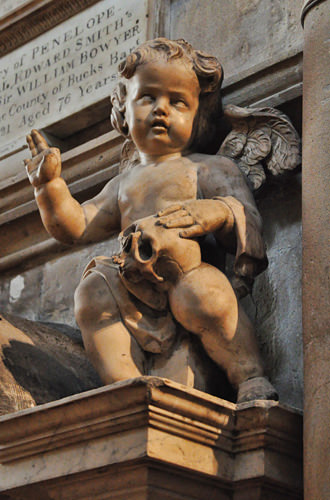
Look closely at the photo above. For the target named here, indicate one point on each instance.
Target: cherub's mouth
(159, 125)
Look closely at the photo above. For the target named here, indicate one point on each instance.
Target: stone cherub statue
(168, 195)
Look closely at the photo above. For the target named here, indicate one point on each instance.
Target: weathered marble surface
(245, 35)
(109, 441)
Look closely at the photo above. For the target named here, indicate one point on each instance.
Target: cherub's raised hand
(45, 163)
(198, 217)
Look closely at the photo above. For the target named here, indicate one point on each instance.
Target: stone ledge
(268, 85)
(150, 420)
(145, 401)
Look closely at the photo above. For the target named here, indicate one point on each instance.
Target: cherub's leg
(113, 351)
(204, 302)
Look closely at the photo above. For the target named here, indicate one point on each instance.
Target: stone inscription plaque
(68, 68)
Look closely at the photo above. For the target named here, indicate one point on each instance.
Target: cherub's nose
(161, 107)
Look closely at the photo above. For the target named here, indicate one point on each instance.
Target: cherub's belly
(148, 190)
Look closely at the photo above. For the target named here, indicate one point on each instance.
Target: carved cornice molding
(152, 419)
(33, 20)
(269, 86)
(129, 405)
(308, 5)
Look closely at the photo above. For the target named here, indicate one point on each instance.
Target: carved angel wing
(261, 138)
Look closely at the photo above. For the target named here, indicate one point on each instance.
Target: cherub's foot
(256, 388)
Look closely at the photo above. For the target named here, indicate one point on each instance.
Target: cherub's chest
(152, 188)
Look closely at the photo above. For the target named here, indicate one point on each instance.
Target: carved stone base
(150, 438)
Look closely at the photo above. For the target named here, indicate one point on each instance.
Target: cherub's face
(161, 105)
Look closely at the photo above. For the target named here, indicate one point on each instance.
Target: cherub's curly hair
(209, 73)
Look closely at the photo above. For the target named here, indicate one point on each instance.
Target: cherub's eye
(146, 98)
(179, 103)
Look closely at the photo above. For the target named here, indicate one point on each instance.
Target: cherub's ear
(261, 139)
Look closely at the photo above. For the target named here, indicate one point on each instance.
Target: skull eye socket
(145, 249)
(129, 230)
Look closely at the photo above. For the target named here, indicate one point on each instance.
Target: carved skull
(152, 252)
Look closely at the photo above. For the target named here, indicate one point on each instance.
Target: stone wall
(45, 292)
(275, 305)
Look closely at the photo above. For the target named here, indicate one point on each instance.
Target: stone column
(316, 237)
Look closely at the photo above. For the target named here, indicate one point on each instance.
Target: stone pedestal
(150, 438)
(316, 236)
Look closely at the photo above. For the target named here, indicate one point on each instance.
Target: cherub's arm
(228, 210)
(63, 217)
(219, 179)
(102, 213)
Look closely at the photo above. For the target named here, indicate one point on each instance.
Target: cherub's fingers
(192, 232)
(31, 145)
(165, 219)
(180, 222)
(169, 210)
(39, 141)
